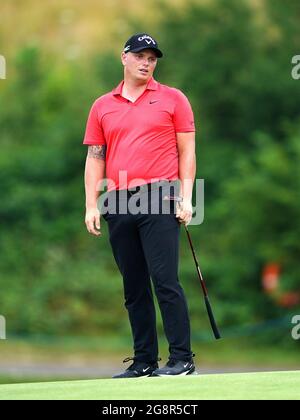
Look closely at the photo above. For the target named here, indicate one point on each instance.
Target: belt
(167, 190)
(170, 188)
(147, 187)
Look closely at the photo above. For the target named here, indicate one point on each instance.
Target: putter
(204, 289)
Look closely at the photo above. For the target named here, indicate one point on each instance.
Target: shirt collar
(151, 85)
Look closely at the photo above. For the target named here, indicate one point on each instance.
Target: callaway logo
(147, 38)
(152, 102)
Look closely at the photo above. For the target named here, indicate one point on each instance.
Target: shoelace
(135, 363)
(128, 359)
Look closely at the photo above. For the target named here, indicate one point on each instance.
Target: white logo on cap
(146, 38)
(127, 48)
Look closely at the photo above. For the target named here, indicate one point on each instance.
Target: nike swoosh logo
(185, 365)
(145, 370)
(152, 102)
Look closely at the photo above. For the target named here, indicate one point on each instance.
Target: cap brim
(158, 53)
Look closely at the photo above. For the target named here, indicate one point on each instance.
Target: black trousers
(145, 247)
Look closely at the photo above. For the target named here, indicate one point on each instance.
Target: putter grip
(212, 319)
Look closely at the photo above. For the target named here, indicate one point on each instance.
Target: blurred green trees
(234, 63)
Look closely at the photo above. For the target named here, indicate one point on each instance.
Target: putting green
(258, 386)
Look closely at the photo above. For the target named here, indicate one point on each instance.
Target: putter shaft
(205, 292)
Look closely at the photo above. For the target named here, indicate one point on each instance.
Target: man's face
(139, 65)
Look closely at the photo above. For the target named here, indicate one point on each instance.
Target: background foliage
(233, 60)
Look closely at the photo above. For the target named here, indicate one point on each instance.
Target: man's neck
(134, 84)
(132, 89)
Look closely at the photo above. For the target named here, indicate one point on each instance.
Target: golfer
(141, 139)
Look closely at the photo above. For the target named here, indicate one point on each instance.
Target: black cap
(140, 42)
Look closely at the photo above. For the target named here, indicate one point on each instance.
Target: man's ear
(123, 57)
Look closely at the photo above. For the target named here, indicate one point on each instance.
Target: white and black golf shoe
(137, 369)
(176, 367)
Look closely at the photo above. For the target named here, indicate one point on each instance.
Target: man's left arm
(187, 173)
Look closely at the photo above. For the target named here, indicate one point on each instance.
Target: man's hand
(184, 211)
(92, 221)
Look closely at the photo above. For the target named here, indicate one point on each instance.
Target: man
(145, 129)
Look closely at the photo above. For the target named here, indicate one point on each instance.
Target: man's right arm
(93, 177)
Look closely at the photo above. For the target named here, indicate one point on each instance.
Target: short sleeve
(183, 117)
(93, 133)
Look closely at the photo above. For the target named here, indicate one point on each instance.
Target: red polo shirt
(140, 136)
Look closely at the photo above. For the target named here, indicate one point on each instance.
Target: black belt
(147, 187)
(167, 190)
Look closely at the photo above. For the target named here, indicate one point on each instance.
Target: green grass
(254, 386)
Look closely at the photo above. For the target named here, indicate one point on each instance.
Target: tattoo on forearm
(97, 152)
